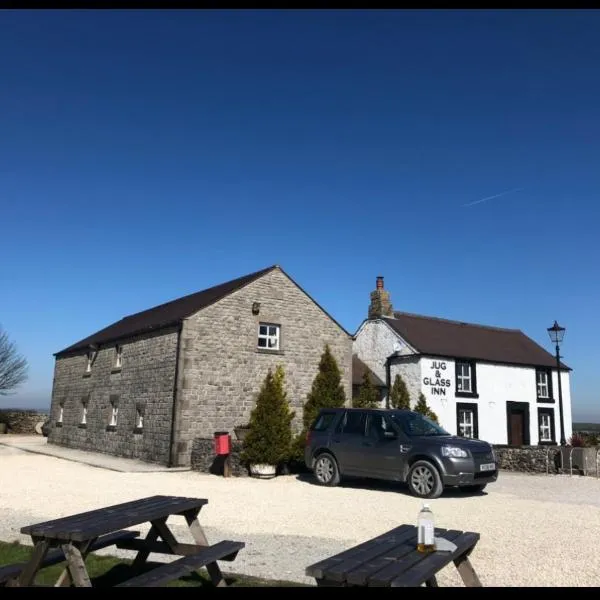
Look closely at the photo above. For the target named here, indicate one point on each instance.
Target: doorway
(517, 421)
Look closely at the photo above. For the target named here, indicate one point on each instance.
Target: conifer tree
(327, 391)
(422, 407)
(368, 396)
(399, 397)
(270, 436)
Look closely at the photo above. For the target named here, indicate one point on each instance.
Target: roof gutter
(172, 462)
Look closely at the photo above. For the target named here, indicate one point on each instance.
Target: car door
(347, 442)
(383, 450)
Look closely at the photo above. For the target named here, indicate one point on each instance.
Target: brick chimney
(380, 306)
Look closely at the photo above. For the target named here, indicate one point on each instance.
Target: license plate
(487, 467)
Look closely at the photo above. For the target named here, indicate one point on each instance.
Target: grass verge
(107, 571)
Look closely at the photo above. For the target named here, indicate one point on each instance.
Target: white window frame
(543, 427)
(114, 416)
(461, 378)
(542, 384)
(269, 337)
(83, 415)
(118, 356)
(463, 424)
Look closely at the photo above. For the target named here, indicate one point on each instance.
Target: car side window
(323, 422)
(354, 423)
(378, 426)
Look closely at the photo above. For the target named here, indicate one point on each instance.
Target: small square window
(268, 336)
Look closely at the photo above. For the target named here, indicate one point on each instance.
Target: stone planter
(3, 428)
(241, 432)
(263, 471)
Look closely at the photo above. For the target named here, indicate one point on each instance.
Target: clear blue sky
(147, 155)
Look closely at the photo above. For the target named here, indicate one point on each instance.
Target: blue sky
(147, 155)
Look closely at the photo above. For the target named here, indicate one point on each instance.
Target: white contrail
(494, 196)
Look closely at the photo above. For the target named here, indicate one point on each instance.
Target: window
(546, 425)
(84, 410)
(118, 357)
(467, 420)
(353, 422)
(90, 361)
(543, 380)
(61, 414)
(466, 384)
(114, 412)
(380, 427)
(139, 420)
(415, 424)
(268, 336)
(323, 422)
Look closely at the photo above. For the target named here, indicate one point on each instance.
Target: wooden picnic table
(72, 538)
(392, 560)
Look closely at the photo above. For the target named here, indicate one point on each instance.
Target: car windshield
(413, 424)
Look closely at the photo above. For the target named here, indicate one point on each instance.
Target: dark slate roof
(441, 337)
(164, 315)
(358, 370)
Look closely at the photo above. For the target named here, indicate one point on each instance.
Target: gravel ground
(528, 523)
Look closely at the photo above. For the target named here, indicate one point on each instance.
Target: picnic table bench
(392, 560)
(73, 538)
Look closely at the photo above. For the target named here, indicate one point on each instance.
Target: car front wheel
(326, 470)
(424, 480)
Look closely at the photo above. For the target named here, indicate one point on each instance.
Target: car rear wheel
(326, 470)
(424, 480)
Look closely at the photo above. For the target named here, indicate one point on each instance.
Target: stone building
(146, 386)
(484, 382)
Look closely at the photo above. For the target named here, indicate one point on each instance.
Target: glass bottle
(426, 530)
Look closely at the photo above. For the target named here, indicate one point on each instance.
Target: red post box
(222, 442)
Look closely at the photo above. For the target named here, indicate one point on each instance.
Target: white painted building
(485, 382)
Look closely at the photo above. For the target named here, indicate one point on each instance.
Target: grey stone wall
(203, 458)
(22, 421)
(529, 459)
(221, 368)
(145, 381)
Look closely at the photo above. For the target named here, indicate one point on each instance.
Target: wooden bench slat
(186, 565)
(57, 556)
(108, 518)
(426, 569)
(87, 525)
(395, 569)
(317, 569)
(361, 574)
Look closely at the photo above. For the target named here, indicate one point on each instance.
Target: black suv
(397, 445)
